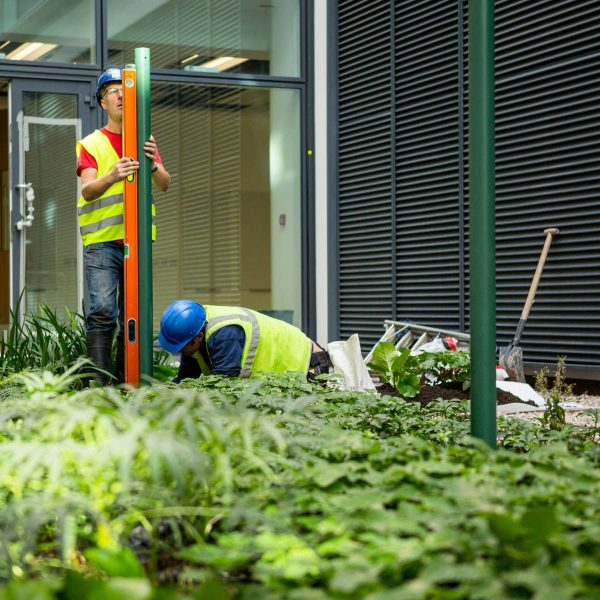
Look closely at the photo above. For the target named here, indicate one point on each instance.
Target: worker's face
(192, 347)
(112, 100)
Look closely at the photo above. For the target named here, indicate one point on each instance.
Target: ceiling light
(192, 57)
(6, 43)
(30, 51)
(222, 63)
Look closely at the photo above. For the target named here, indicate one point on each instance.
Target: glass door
(46, 120)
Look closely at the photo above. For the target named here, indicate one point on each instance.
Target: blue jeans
(105, 292)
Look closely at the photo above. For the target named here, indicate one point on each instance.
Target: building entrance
(45, 120)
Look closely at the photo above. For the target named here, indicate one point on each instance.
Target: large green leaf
(120, 562)
(30, 590)
(399, 362)
(228, 556)
(384, 355)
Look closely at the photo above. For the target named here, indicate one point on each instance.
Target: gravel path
(573, 415)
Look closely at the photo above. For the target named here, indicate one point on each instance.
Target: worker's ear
(200, 336)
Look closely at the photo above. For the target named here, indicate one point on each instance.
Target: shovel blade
(511, 360)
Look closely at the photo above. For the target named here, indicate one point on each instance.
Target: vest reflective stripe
(104, 223)
(101, 220)
(271, 346)
(100, 203)
(252, 340)
(253, 346)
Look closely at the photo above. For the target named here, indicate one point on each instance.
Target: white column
(320, 158)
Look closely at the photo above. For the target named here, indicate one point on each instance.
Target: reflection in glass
(4, 212)
(208, 36)
(52, 241)
(229, 228)
(60, 31)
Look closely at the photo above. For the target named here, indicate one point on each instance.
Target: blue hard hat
(181, 322)
(111, 74)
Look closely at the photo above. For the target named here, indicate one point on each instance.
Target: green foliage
(407, 373)
(119, 562)
(397, 368)
(42, 341)
(451, 366)
(278, 488)
(163, 370)
(76, 587)
(554, 415)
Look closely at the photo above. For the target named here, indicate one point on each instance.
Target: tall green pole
(142, 68)
(482, 208)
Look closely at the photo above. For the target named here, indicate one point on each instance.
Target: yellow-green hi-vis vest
(101, 220)
(272, 346)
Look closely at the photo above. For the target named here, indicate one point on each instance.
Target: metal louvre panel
(466, 324)
(365, 167)
(548, 175)
(543, 33)
(547, 169)
(428, 195)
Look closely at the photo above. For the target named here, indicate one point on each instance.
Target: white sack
(523, 391)
(348, 362)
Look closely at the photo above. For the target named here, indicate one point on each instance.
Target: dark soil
(446, 391)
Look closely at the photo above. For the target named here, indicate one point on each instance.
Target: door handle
(29, 198)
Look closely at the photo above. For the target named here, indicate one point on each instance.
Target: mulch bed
(447, 391)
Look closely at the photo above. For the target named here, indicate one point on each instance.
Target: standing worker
(236, 342)
(102, 169)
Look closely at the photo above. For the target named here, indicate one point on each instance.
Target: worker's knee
(102, 320)
(101, 314)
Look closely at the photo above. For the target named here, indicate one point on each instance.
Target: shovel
(511, 357)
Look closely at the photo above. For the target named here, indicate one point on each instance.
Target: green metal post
(482, 209)
(142, 68)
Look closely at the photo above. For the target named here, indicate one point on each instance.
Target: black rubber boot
(99, 347)
(120, 361)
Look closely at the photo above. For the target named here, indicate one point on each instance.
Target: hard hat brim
(172, 348)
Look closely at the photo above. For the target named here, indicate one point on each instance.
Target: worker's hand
(123, 168)
(150, 150)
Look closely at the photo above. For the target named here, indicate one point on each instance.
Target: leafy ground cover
(276, 488)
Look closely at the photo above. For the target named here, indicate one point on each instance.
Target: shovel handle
(550, 233)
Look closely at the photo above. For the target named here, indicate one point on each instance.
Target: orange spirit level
(130, 201)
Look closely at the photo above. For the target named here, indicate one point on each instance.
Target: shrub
(277, 488)
(554, 415)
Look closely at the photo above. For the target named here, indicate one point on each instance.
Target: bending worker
(236, 342)
(102, 169)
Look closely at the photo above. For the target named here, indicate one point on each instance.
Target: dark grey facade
(402, 209)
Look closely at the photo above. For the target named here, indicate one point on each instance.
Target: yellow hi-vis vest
(101, 220)
(272, 346)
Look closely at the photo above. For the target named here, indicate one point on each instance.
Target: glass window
(4, 209)
(52, 240)
(229, 227)
(50, 31)
(208, 36)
